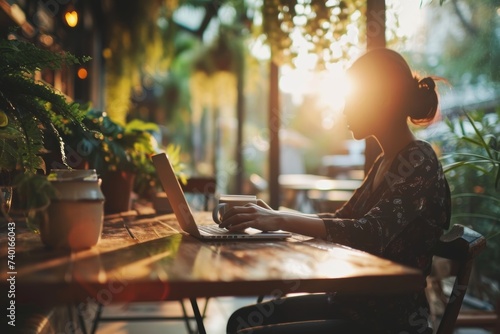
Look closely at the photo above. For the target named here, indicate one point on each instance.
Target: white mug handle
(216, 212)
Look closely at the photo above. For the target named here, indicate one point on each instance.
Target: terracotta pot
(117, 187)
(74, 218)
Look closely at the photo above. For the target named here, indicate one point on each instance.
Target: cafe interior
(246, 100)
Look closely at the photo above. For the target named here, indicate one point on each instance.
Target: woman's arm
(251, 215)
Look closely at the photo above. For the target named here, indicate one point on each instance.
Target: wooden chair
(460, 245)
(480, 319)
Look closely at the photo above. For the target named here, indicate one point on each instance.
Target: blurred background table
(303, 192)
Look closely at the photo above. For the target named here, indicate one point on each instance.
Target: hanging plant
(323, 31)
(315, 33)
(139, 41)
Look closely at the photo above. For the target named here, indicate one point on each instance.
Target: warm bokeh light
(82, 73)
(107, 53)
(46, 40)
(71, 18)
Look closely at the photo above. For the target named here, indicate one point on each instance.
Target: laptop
(185, 216)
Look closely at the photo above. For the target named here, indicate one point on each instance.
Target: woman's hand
(262, 217)
(258, 216)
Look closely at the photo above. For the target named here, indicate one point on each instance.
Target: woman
(399, 212)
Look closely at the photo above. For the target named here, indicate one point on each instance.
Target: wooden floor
(218, 311)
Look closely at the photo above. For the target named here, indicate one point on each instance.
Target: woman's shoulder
(419, 151)
(416, 163)
(417, 159)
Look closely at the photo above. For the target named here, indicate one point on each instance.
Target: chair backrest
(200, 185)
(461, 245)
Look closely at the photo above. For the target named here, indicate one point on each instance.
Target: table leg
(198, 316)
(97, 318)
(81, 320)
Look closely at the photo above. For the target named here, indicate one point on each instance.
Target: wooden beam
(375, 24)
(274, 140)
(240, 112)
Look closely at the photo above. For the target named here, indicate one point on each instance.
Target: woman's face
(364, 107)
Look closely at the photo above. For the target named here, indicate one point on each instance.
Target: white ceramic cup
(226, 202)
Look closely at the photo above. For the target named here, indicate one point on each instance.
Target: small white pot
(75, 217)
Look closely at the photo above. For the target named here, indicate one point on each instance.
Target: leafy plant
(30, 112)
(110, 146)
(488, 160)
(472, 170)
(35, 191)
(147, 182)
(29, 107)
(476, 159)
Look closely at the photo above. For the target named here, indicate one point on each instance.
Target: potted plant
(30, 112)
(117, 152)
(121, 155)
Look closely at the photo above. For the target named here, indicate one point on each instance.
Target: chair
(480, 319)
(460, 245)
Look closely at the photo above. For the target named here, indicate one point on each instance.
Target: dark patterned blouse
(400, 220)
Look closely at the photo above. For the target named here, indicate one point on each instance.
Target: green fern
(25, 58)
(32, 108)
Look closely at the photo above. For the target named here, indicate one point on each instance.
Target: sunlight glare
(295, 82)
(409, 16)
(333, 87)
(329, 87)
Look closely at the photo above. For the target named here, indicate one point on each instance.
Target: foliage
(110, 146)
(323, 31)
(471, 49)
(322, 24)
(147, 182)
(472, 170)
(136, 43)
(26, 186)
(29, 107)
(31, 111)
(487, 161)
(113, 146)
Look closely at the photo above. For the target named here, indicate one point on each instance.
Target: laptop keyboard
(212, 229)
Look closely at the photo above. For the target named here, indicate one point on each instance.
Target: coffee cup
(226, 202)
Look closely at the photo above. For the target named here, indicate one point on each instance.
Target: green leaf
(478, 133)
(474, 195)
(471, 164)
(450, 124)
(476, 215)
(497, 179)
(470, 140)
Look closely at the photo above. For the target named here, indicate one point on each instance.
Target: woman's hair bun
(425, 101)
(427, 83)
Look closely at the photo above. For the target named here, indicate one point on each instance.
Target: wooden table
(148, 259)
